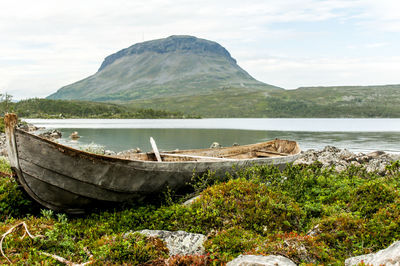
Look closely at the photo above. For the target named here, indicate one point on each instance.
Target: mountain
(177, 66)
(323, 102)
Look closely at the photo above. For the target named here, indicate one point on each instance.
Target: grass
(308, 214)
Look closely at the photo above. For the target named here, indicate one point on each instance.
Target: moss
(230, 243)
(247, 204)
(133, 249)
(384, 226)
(13, 201)
(371, 196)
(299, 248)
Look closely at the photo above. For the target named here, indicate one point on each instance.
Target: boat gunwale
(118, 159)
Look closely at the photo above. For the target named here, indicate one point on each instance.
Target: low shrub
(309, 214)
(249, 205)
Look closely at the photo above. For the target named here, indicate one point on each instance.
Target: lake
(121, 134)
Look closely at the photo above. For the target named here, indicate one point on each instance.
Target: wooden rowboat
(65, 179)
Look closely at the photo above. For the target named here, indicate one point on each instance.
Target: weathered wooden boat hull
(65, 179)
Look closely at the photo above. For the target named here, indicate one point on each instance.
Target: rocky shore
(342, 158)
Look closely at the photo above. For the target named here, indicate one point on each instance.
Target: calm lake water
(122, 134)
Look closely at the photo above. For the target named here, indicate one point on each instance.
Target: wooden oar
(155, 149)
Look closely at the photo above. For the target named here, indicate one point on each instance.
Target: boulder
(258, 260)
(388, 256)
(215, 145)
(74, 135)
(28, 127)
(331, 156)
(3, 146)
(51, 134)
(179, 242)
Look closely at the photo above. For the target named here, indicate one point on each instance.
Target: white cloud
(376, 44)
(286, 72)
(46, 44)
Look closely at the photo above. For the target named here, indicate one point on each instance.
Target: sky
(47, 44)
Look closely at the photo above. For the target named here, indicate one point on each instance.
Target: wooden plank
(75, 186)
(196, 157)
(155, 149)
(10, 121)
(274, 152)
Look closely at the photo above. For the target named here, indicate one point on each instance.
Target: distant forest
(46, 108)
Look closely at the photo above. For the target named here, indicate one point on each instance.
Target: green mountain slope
(346, 101)
(174, 66)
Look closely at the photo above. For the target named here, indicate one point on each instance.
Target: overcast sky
(45, 45)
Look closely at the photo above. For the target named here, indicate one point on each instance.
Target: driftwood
(62, 260)
(26, 232)
(10, 231)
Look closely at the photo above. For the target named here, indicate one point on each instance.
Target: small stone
(331, 149)
(258, 260)
(109, 152)
(55, 134)
(215, 145)
(375, 154)
(191, 200)
(235, 144)
(74, 135)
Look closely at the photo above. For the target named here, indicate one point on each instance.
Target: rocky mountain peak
(174, 43)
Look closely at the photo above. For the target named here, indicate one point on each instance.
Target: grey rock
(171, 44)
(215, 145)
(388, 256)
(51, 134)
(191, 200)
(375, 154)
(257, 260)
(331, 149)
(27, 127)
(395, 157)
(74, 135)
(3, 146)
(109, 152)
(128, 152)
(331, 156)
(179, 242)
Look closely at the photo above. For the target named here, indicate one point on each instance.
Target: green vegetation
(326, 102)
(45, 108)
(309, 214)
